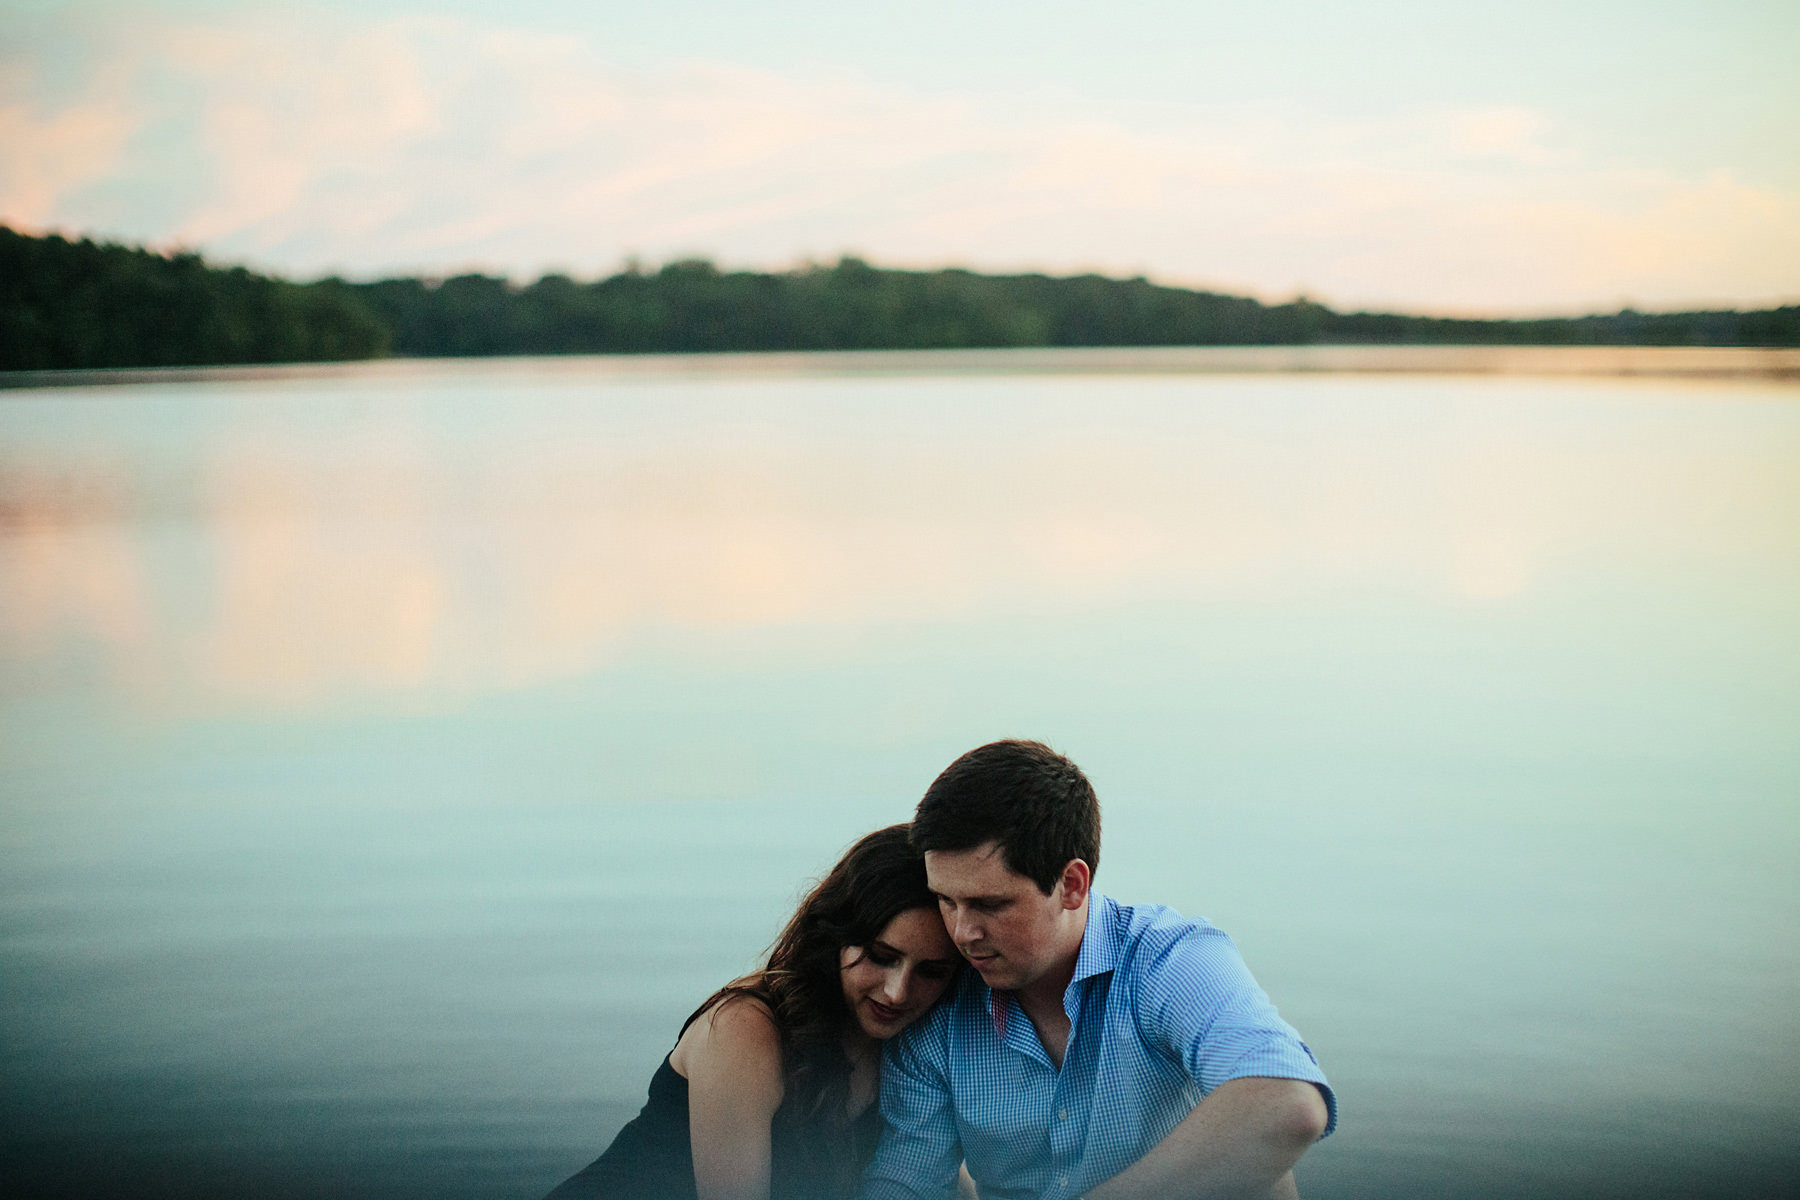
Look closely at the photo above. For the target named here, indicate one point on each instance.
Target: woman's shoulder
(737, 1015)
(736, 1037)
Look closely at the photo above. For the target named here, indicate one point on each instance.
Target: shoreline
(1763, 364)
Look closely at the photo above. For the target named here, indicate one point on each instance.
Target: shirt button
(1062, 1114)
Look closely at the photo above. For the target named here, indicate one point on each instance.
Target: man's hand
(1241, 1142)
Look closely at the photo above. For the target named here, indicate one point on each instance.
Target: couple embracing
(1087, 1048)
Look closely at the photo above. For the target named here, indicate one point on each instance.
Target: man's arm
(919, 1152)
(1241, 1141)
(1266, 1099)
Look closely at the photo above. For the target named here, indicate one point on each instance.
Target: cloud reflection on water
(402, 549)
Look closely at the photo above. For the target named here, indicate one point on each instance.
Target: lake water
(391, 756)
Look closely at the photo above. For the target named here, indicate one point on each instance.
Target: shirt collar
(1099, 954)
(1100, 941)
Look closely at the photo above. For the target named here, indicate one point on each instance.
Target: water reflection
(390, 757)
(316, 540)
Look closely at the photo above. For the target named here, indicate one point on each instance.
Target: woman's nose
(894, 986)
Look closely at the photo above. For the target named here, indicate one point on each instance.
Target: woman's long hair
(878, 878)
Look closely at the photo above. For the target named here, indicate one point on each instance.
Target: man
(1096, 1049)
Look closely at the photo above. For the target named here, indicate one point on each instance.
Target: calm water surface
(391, 757)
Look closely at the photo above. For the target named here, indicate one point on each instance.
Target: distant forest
(81, 304)
(67, 304)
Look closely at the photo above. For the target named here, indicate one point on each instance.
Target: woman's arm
(732, 1059)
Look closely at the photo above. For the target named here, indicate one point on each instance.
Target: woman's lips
(884, 1014)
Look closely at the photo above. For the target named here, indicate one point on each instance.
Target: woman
(770, 1092)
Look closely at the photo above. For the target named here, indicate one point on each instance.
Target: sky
(1482, 158)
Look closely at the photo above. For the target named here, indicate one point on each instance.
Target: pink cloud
(438, 144)
(47, 151)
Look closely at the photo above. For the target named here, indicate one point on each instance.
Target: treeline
(85, 304)
(688, 306)
(77, 304)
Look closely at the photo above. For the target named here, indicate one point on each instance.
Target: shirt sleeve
(1197, 1002)
(920, 1149)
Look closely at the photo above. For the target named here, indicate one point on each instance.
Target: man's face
(1010, 932)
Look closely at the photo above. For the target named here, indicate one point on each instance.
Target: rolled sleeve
(1197, 1002)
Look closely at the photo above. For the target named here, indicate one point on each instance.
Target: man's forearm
(1242, 1141)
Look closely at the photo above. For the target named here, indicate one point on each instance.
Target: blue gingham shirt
(1161, 1011)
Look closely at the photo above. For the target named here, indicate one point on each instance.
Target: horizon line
(633, 263)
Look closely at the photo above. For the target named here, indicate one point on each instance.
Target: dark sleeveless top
(652, 1158)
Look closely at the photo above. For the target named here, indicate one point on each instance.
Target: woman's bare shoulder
(737, 1036)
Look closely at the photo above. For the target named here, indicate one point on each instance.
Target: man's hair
(1034, 802)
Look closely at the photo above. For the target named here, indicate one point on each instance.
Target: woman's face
(892, 981)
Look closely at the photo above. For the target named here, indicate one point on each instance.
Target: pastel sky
(1526, 156)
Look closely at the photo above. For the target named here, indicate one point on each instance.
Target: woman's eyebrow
(986, 899)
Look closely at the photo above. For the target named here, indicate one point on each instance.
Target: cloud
(45, 154)
(1499, 132)
(312, 143)
(282, 133)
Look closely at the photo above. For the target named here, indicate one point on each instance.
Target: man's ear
(1075, 880)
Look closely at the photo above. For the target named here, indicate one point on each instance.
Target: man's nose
(963, 930)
